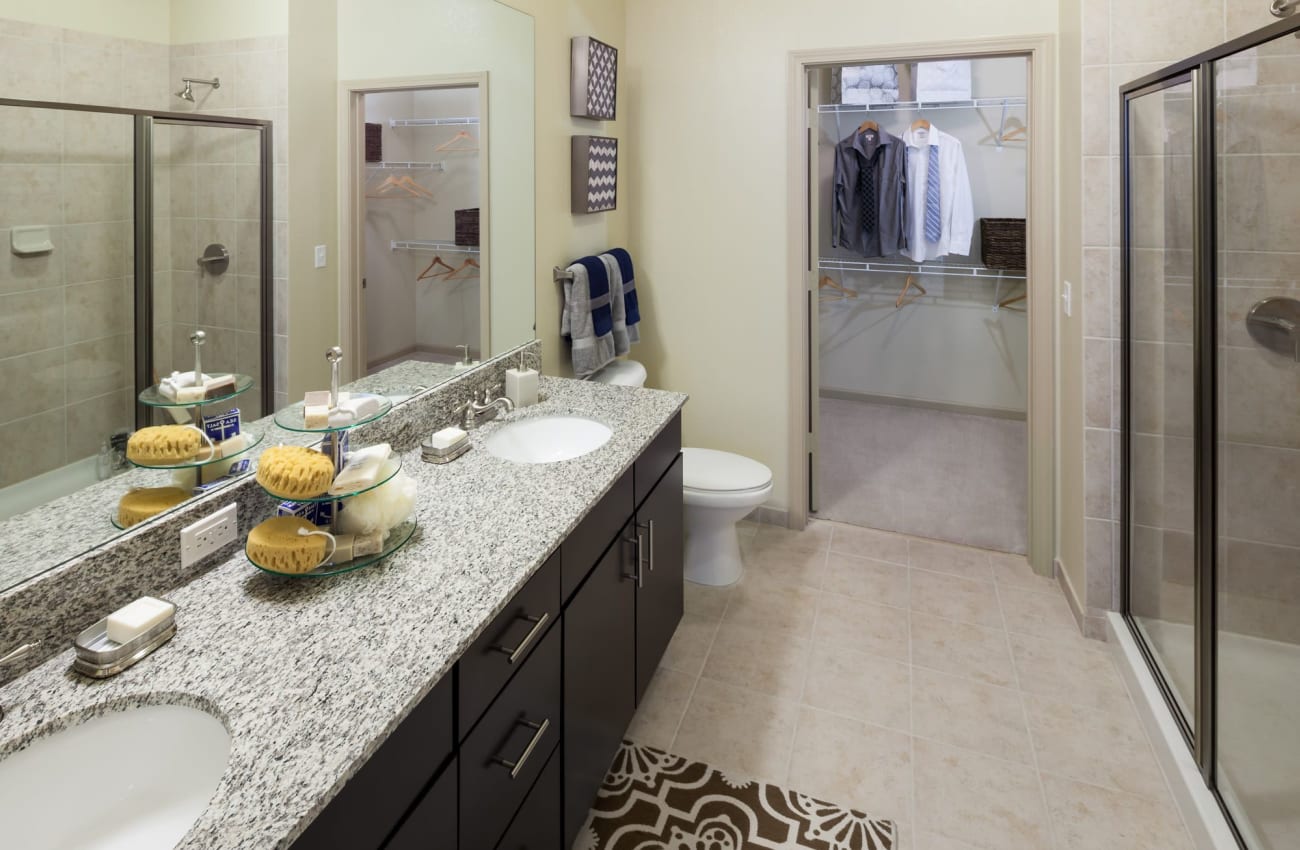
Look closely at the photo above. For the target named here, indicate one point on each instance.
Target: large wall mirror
(144, 182)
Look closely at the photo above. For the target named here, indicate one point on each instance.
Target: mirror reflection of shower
(187, 93)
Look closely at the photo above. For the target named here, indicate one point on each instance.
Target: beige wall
(221, 20)
(705, 84)
(146, 20)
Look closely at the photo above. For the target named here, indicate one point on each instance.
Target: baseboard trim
(1200, 810)
(925, 404)
(1071, 598)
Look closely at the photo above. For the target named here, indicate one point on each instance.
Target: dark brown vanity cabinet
(508, 751)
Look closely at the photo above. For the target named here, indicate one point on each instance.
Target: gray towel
(590, 352)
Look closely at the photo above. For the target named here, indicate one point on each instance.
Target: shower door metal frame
(1201, 732)
(142, 212)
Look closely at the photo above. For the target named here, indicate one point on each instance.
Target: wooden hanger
(1007, 302)
(461, 135)
(911, 283)
(829, 283)
(920, 124)
(400, 184)
(437, 261)
(470, 263)
(868, 125)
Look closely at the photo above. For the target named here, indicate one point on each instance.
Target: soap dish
(432, 452)
(99, 657)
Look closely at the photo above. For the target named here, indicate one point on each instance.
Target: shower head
(187, 93)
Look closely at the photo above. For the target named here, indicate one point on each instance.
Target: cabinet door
(537, 826)
(599, 678)
(432, 825)
(660, 589)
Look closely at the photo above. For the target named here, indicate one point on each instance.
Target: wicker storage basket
(467, 228)
(1002, 243)
(374, 143)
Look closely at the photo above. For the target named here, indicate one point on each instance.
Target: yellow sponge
(277, 545)
(159, 444)
(139, 505)
(294, 472)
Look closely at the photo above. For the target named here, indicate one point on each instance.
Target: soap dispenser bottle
(521, 385)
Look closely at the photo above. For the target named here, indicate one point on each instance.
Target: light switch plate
(1067, 299)
(320, 256)
(209, 534)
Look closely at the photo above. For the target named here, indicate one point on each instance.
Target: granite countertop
(311, 676)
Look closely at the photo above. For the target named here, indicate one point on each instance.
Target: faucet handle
(20, 653)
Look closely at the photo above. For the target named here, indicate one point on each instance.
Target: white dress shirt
(956, 209)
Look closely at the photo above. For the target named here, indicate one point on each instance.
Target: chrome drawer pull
(650, 525)
(516, 766)
(538, 624)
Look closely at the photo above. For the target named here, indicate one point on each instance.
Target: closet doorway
(919, 296)
(416, 240)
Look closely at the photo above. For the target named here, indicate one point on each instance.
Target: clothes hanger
(920, 124)
(868, 125)
(911, 284)
(408, 183)
(461, 135)
(403, 184)
(827, 282)
(1007, 302)
(468, 264)
(437, 261)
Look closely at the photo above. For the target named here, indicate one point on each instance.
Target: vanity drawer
(376, 799)
(537, 826)
(503, 756)
(508, 642)
(583, 548)
(432, 825)
(657, 458)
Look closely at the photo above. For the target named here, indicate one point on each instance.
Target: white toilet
(719, 490)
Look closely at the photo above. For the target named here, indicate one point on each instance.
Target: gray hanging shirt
(886, 156)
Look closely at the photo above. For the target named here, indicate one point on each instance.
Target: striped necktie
(933, 222)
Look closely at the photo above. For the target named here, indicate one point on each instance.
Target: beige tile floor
(943, 687)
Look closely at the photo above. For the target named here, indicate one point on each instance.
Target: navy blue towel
(602, 317)
(629, 285)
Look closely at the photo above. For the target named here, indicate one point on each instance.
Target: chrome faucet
(476, 414)
(18, 655)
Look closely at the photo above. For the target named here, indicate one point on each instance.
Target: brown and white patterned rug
(652, 800)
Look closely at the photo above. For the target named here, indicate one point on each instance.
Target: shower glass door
(1257, 102)
(1160, 410)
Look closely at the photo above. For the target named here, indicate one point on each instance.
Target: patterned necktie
(933, 223)
(867, 193)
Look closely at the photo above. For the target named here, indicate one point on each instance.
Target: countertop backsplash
(54, 606)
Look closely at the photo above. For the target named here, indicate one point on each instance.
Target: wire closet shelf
(949, 269)
(431, 245)
(432, 122)
(917, 105)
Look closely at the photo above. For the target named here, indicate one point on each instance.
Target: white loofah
(383, 508)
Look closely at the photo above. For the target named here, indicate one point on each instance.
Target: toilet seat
(715, 479)
(621, 373)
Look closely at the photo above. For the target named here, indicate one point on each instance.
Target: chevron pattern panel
(595, 80)
(595, 174)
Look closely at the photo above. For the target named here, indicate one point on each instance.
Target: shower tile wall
(1122, 42)
(66, 317)
(211, 184)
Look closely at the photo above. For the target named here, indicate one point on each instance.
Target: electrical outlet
(1067, 299)
(320, 256)
(209, 534)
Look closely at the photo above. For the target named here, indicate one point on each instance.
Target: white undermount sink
(548, 439)
(131, 780)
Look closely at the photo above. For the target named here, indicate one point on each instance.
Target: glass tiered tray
(291, 418)
(387, 475)
(152, 398)
(396, 539)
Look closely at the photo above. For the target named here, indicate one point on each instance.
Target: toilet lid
(623, 373)
(720, 472)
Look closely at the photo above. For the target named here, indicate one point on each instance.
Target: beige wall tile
(1163, 30)
(1260, 500)
(855, 684)
(738, 731)
(987, 802)
(1098, 117)
(44, 446)
(1103, 567)
(33, 383)
(1096, 32)
(1099, 473)
(96, 193)
(31, 70)
(870, 581)
(758, 660)
(1090, 818)
(100, 366)
(1259, 403)
(661, 709)
(96, 251)
(30, 136)
(31, 321)
(1098, 294)
(854, 764)
(91, 422)
(261, 79)
(92, 74)
(22, 274)
(101, 308)
(972, 715)
(91, 138)
(953, 598)
(1263, 192)
(29, 194)
(870, 628)
(1098, 359)
(214, 196)
(1096, 201)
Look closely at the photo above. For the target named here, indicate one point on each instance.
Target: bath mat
(652, 800)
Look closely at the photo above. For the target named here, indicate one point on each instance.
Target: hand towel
(631, 305)
(587, 319)
(617, 306)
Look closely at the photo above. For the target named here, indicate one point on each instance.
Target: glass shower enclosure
(1211, 413)
(105, 213)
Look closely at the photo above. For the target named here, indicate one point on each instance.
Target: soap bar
(313, 398)
(447, 438)
(126, 624)
(316, 416)
(223, 385)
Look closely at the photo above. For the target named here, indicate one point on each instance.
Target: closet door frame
(1042, 288)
